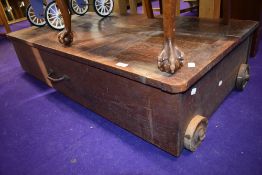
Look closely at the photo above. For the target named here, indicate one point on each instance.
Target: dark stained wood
(148, 8)
(161, 6)
(154, 105)
(126, 103)
(168, 60)
(137, 41)
(169, 18)
(209, 94)
(226, 11)
(249, 10)
(31, 61)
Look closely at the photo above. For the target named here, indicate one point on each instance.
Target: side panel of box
(31, 60)
(212, 89)
(145, 111)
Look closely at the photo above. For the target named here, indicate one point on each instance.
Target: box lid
(128, 46)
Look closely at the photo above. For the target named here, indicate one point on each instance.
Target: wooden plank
(178, 8)
(160, 9)
(133, 6)
(4, 19)
(147, 8)
(249, 11)
(120, 7)
(209, 9)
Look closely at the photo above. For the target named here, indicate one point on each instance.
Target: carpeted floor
(43, 132)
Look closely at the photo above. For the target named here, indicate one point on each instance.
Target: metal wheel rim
(104, 7)
(54, 17)
(34, 19)
(77, 9)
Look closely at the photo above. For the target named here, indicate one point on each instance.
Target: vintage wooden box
(112, 69)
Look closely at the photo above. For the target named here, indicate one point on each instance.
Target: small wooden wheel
(242, 77)
(195, 132)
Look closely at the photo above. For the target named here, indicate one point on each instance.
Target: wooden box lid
(129, 46)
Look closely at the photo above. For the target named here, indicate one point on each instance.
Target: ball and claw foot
(171, 58)
(65, 38)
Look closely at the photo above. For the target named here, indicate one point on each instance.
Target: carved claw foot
(171, 58)
(65, 38)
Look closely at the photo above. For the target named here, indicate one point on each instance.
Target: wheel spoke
(56, 22)
(100, 7)
(52, 17)
(60, 22)
(51, 9)
(34, 18)
(56, 8)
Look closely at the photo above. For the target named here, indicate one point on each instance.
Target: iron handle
(55, 80)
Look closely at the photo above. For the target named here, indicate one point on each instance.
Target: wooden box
(111, 69)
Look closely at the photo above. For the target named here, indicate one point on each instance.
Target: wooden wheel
(79, 9)
(195, 132)
(242, 77)
(104, 7)
(33, 19)
(54, 17)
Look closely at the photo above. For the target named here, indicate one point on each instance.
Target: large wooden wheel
(195, 132)
(243, 77)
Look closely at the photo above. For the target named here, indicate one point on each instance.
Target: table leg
(171, 58)
(133, 6)
(161, 6)
(147, 6)
(66, 36)
(120, 7)
(209, 9)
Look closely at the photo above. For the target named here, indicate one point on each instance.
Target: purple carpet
(43, 132)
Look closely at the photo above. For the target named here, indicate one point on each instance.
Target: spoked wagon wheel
(54, 17)
(33, 19)
(104, 7)
(79, 9)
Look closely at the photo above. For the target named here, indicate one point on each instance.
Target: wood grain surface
(138, 97)
(137, 41)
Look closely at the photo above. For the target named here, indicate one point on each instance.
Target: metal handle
(55, 80)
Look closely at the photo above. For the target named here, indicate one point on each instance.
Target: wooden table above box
(111, 69)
